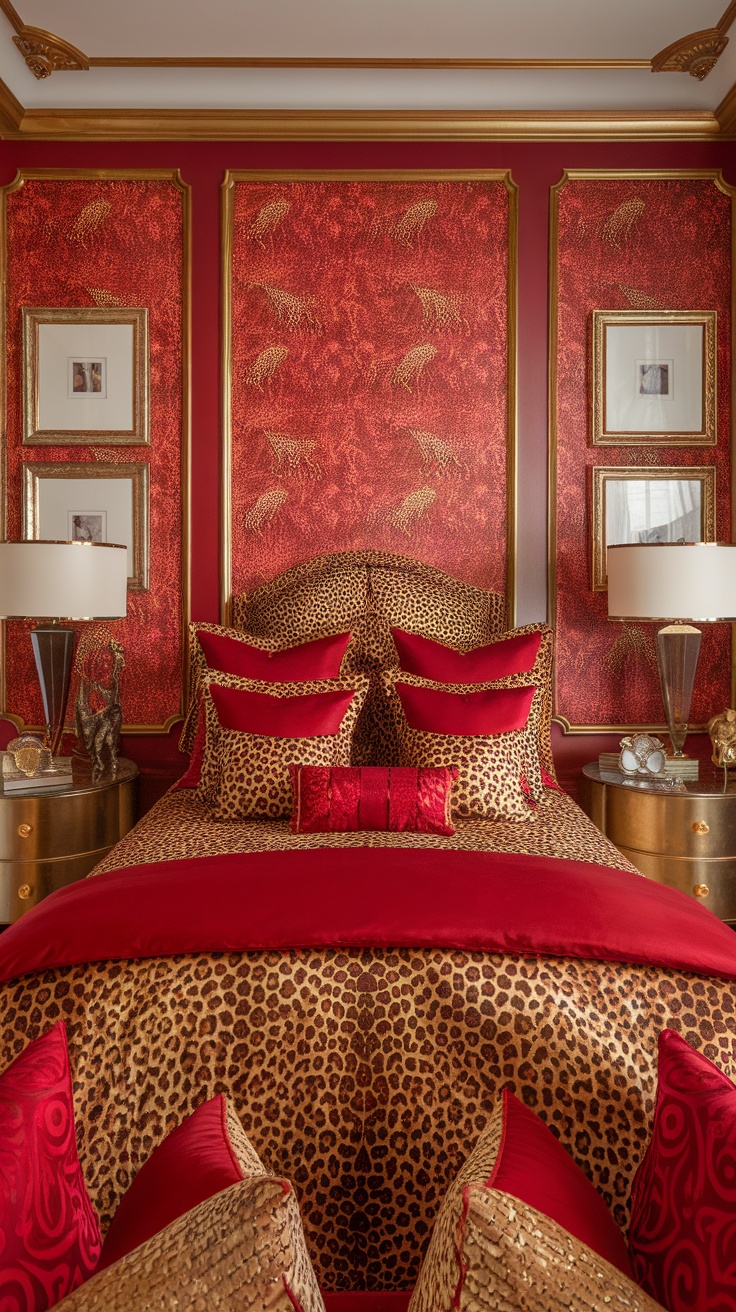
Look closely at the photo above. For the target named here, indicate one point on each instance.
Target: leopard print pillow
(246, 775)
(492, 782)
(199, 670)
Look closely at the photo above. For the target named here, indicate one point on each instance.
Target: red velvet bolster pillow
(468, 714)
(682, 1236)
(432, 660)
(306, 715)
(49, 1233)
(195, 1161)
(341, 799)
(319, 659)
(533, 1166)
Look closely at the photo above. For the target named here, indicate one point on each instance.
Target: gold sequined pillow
(255, 731)
(485, 733)
(240, 1251)
(516, 1257)
(214, 649)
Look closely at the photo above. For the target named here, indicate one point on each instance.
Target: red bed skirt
(359, 1302)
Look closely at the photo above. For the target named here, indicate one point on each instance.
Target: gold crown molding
(304, 61)
(573, 175)
(113, 175)
(696, 54)
(45, 53)
(11, 111)
(12, 15)
(359, 125)
(726, 113)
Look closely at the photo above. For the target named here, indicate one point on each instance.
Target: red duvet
(363, 897)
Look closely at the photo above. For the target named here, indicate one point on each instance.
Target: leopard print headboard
(368, 592)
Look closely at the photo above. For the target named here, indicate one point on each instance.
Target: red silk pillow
(49, 1233)
(305, 715)
(319, 659)
(195, 1161)
(682, 1236)
(468, 714)
(340, 799)
(534, 1166)
(515, 654)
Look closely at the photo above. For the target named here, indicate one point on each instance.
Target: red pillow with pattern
(514, 653)
(682, 1236)
(396, 799)
(49, 1232)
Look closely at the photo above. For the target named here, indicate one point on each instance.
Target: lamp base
(53, 649)
(678, 647)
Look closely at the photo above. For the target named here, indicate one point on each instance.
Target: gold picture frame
(85, 376)
(654, 378)
(637, 515)
(91, 502)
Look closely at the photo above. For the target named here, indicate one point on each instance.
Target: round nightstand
(50, 838)
(684, 836)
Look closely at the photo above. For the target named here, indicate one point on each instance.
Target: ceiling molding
(358, 125)
(696, 54)
(45, 53)
(11, 112)
(726, 113)
(238, 61)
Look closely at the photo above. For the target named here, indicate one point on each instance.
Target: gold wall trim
(233, 176)
(359, 125)
(573, 175)
(112, 175)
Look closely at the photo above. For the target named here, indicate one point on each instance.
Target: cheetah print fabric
(363, 1076)
(246, 775)
(242, 1250)
(490, 768)
(179, 825)
(366, 592)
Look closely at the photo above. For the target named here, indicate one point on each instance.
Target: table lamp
(674, 582)
(60, 581)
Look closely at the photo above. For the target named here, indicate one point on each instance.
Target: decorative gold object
(604, 475)
(700, 890)
(695, 54)
(722, 731)
(27, 755)
(98, 717)
(642, 755)
(45, 53)
(700, 827)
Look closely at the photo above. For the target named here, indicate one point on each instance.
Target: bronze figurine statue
(722, 730)
(98, 716)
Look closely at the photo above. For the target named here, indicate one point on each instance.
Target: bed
(363, 998)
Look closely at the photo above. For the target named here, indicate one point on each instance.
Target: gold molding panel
(695, 54)
(45, 53)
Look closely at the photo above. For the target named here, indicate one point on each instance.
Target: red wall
(535, 167)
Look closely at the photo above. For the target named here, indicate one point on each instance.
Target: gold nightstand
(684, 837)
(51, 838)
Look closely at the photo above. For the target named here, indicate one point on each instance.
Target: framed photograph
(654, 378)
(650, 505)
(91, 503)
(85, 377)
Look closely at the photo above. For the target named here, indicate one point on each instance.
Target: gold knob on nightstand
(701, 890)
(25, 831)
(700, 827)
(24, 892)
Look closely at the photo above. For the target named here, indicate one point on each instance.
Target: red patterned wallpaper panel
(369, 372)
(96, 241)
(634, 243)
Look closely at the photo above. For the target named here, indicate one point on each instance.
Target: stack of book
(675, 767)
(15, 781)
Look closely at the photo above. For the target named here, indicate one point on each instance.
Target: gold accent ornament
(722, 731)
(695, 54)
(45, 53)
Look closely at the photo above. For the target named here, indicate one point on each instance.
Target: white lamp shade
(674, 581)
(63, 580)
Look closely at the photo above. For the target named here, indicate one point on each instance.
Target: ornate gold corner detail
(45, 53)
(695, 54)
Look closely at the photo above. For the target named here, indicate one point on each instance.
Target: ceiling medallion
(45, 53)
(695, 54)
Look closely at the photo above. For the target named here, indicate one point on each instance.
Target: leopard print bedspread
(366, 1077)
(179, 825)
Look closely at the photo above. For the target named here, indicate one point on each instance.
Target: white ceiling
(369, 29)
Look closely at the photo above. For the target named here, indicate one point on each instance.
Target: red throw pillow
(306, 715)
(515, 654)
(340, 799)
(682, 1236)
(194, 1162)
(49, 1233)
(468, 714)
(534, 1166)
(319, 659)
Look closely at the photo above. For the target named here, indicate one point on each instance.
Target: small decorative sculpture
(98, 716)
(28, 755)
(722, 730)
(641, 755)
